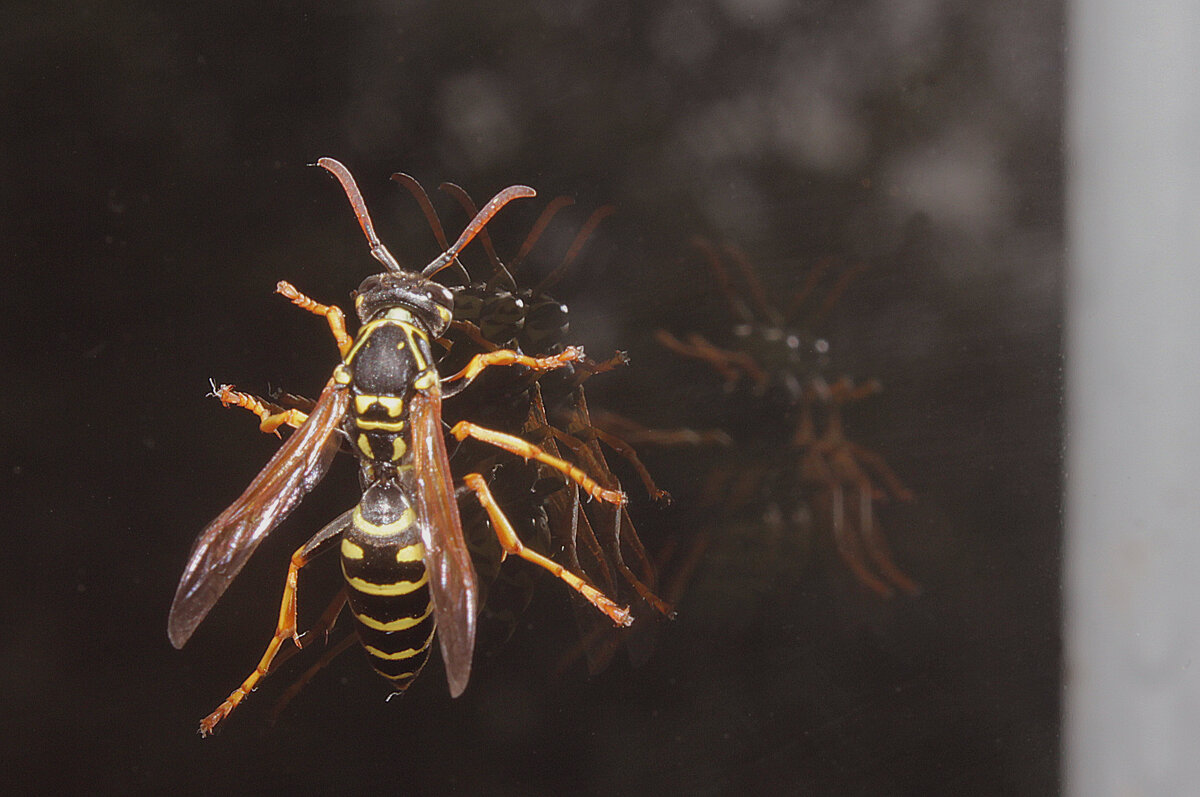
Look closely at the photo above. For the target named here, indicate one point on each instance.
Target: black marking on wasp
(550, 408)
(406, 566)
(785, 365)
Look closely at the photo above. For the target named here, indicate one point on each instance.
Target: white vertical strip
(1133, 399)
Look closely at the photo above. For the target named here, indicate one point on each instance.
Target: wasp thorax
(429, 302)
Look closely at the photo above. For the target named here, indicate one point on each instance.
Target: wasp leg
(526, 450)
(271, 416)
(332, 313)
(286, 626)
(512, 544)
(509, 357)
(476, 336)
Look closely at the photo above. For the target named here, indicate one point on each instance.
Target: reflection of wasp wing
(451, 575)
(225, 544)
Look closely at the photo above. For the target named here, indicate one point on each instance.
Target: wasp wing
(225, 544)
(451, 576)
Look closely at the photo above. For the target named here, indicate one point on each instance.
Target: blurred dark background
(154, 188)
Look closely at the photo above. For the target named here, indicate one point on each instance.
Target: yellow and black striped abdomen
(388, 585)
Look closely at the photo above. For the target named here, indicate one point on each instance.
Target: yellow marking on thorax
(387, 590)
(413, 333)
(352, 551)
(364, 445)
(393, 404)
(363, 403)
(425, 380)
(387, 529)
(382, 426)
(361, 338)
(399, 449)
(402, 624)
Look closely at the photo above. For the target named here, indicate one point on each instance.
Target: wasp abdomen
(388, 585)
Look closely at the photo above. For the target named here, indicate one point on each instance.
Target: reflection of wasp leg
(526, 450)
(512, 544)
(332, 314)
(732, 365)
(286, 626)
(271, 416)
(877, 463)
(575, 441)
(878, 550)
(321, 628)
(817, 470)
(849, 545)
(347, 642)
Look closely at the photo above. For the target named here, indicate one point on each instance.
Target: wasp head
(430, 303)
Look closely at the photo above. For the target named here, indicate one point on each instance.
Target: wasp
(550, 407)
(407, 571)
(785, 364)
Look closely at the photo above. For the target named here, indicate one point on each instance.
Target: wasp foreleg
(332, 313)
(509, 357)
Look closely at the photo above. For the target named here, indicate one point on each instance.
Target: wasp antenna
(757, 293)
(476, 226)
(585, 232)
(418, 192)
(461, 196)
(378, 250)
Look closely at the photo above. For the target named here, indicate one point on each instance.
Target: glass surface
(155, 189)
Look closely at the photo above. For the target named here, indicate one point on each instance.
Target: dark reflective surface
(154, 190)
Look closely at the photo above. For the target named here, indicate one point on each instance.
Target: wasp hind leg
(523, 448)
(285, 628)
(512, 544)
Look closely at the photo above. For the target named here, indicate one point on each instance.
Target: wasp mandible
(406, 566)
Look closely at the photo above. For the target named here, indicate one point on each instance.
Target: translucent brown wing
(451, 575)
(225, 544)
